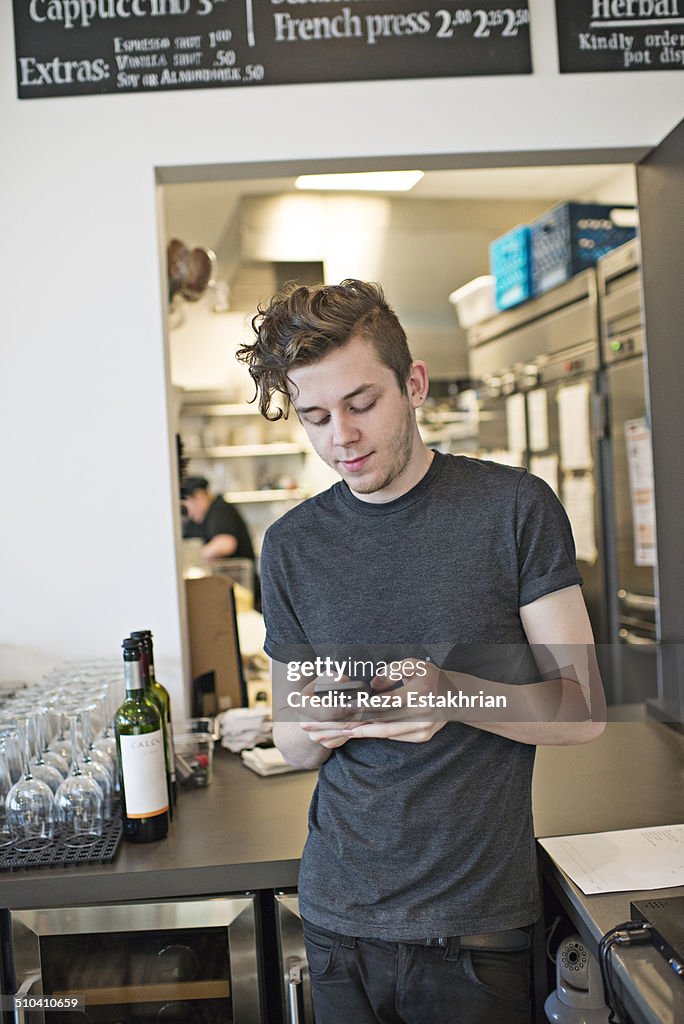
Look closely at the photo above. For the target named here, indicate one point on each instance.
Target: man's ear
(418, 383)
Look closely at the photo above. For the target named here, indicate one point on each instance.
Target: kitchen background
(421, 245)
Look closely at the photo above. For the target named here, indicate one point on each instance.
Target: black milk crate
(571, 237)
(59, 855)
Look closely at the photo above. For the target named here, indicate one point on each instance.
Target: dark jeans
(370, 981)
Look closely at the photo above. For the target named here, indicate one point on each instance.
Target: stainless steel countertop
(631, 777)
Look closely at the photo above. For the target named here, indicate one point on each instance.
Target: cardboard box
(214, 644)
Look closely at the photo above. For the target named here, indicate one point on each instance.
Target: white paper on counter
(640, 465)
(574, 426)
(538, 419)
(546, 466)
(515, 423)
(252, 632)
(578, 501)
(634, 858)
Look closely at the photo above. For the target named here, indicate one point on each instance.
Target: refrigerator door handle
(600, 416)
(641, 602)
(295, 965)
(634, 640)
(20, 996)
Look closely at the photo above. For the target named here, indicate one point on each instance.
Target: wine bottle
(140, 746)
(143, 637)
(163, 696)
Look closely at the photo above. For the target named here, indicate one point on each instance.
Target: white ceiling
(198, 212)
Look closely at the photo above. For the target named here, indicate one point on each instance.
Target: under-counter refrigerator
(633, 603)
(191, 961)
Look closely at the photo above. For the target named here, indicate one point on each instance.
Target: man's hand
(327, 727)
(397, 722)
(407, 732)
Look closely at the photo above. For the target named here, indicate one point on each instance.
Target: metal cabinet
(633, 603)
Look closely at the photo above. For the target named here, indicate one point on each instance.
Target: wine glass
(43, 753)
(40, 769)
(46, 731)
(79, 802)
(90, 766)
(10, 737)
(60, 742)
(6, 836)
(95, 752)
(30, 804)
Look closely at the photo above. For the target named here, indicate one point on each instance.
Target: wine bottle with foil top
(140, 747)
(155, 694)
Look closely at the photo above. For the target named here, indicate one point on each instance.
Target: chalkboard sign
(620, 35)
(78, 47)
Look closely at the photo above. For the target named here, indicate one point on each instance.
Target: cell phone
(349, 687)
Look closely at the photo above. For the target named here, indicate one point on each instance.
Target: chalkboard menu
(78, 47)
(620, 35)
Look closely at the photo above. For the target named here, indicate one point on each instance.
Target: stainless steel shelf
(220, 409)
(278, 494)
(242, 451)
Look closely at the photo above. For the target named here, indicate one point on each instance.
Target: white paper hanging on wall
(578, 501)
(538, 419)
(504, 457)
(515, 423)
(574, 424)
(640, 466)
(546, 467)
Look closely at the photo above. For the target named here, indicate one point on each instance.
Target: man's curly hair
(301, 324)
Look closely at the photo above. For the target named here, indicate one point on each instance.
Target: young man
(417, 885)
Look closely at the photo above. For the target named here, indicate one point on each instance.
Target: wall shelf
(244, 451)
(220, 409)
(254, 497)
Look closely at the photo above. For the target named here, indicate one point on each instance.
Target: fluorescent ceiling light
(366, 181)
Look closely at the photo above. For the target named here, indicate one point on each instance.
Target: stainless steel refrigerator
(550, 348)
(633, 605)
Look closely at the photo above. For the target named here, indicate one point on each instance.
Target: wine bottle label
(144, 774)
(133, 675)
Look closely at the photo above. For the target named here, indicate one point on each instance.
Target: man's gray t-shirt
(411, 840)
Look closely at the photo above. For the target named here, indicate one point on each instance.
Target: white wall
(87, 509)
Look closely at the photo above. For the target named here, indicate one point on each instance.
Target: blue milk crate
(570, 238)
(509, 262)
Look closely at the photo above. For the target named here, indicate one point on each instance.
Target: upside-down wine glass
(40, 769)
(43, 753)
(6, 836)
(30, 804)
(93, 767)
(79, 801)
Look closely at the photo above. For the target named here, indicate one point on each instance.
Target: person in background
(217, 523)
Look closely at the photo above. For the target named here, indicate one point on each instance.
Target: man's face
(196, 506)
(359, 421)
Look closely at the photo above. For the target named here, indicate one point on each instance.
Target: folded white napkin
(267, 761)
(243, 727)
